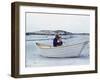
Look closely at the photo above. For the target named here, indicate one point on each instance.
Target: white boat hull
(61, 51)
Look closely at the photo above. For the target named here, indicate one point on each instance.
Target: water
(33, 59)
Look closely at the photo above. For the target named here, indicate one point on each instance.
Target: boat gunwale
(51, 47)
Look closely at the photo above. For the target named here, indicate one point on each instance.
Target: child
(57, 41)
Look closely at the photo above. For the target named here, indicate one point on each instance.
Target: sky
(44, 21)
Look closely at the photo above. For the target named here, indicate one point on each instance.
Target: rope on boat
(84, 44)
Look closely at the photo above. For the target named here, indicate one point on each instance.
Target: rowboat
(72, 50)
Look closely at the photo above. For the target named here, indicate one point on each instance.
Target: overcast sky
(71, 23)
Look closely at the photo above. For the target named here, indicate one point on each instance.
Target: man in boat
(57, 41)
